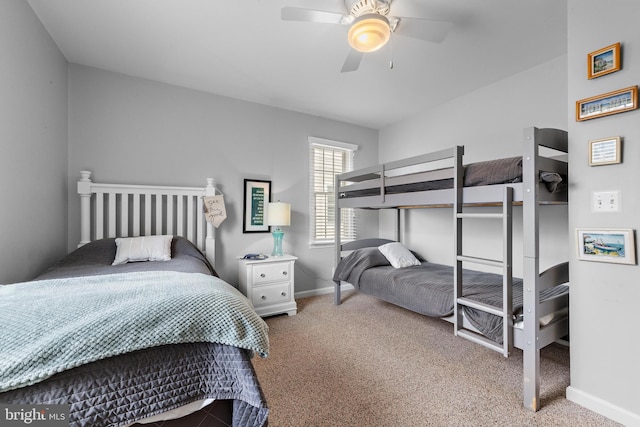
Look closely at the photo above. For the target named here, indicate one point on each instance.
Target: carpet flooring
(370, 363)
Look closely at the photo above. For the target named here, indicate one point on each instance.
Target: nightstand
(269, 284)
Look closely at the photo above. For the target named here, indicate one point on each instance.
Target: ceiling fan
(370, 26)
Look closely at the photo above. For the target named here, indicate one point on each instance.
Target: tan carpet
(369, 363)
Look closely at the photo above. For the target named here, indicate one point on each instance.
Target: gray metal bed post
(533, 138)
(457, 235)
(338, 243)
(507, 272)
(531, 270)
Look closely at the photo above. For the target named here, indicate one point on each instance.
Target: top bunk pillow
(398, 255)
(145, 248)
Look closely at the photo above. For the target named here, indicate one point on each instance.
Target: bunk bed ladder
(505, 264)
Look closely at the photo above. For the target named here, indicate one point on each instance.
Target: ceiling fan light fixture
(369, 32)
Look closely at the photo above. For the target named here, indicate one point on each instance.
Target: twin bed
(159, 341)
(492, 309)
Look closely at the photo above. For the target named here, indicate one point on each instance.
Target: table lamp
(278, 214)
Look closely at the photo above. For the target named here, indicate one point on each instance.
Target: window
(327, 159)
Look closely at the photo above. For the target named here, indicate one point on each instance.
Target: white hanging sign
(214, 210)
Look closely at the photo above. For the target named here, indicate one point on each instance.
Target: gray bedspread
(428, 288)
(126, 388)
(491, 172)
(53, 325)
(95, 258)
(119, 390)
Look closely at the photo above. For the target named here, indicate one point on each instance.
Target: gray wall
(489, 123)
(605, 349)
(33, 141)
(126, 129)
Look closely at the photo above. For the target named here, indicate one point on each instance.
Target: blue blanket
(50, 326)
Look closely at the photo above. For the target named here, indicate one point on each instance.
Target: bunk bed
(135, 326)
(492, 309)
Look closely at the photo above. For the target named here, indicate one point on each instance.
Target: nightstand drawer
(271, 294)
(267, 273)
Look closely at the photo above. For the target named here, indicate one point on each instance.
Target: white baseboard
(322, 291)
(603, 407)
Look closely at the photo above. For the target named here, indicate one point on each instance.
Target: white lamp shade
(279, 214)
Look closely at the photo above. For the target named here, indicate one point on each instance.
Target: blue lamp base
(278, 234)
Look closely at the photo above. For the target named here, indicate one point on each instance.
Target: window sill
(318, 245)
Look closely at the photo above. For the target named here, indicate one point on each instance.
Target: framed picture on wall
(612, 245)
(606, 151)
(608, 103)
(257, 194)
(604, 61)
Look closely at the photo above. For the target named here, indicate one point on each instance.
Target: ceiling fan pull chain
(391, 52)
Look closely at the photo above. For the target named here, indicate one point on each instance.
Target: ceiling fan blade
(424, 29)
(288, 13)
(352, 62)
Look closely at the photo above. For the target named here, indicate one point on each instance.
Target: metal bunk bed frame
(533, 336)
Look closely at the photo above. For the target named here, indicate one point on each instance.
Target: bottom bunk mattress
(428, 288)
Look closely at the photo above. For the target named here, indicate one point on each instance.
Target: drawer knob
(284, 294)
(262, 275)
(263, 297)
(284, 273)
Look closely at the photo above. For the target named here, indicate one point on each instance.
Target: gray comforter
(53, 325)
(491, 172)
(96, 257)
(428, 288)
(123, 389)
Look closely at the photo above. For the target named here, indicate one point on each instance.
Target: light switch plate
(605, 201)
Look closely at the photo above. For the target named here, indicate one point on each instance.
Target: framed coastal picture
(608, 103)
(257, 194)
(604, 61)
(610, 245)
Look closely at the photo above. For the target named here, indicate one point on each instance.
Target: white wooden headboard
(124, 210)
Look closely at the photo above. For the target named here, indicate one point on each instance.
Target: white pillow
(398, 255)
(145, 248)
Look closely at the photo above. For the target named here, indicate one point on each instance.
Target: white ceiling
(242, 49)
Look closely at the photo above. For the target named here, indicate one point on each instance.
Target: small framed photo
(257, 194)
(606, 151)
(606, 104)
(604, 61)
(615, 245)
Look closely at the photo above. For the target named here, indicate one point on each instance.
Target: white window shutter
(326, 160)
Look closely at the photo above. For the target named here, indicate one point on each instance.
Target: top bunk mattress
(491, 172)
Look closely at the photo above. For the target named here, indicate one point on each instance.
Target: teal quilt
(50, 326)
